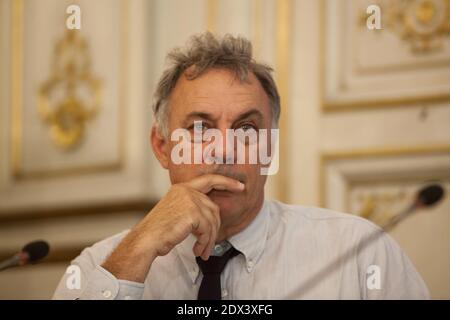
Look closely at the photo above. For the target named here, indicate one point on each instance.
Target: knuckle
(180, 229)
(190, 204)
(165, 247)
(194, 222)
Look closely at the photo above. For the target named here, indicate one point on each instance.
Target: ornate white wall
(349, 134)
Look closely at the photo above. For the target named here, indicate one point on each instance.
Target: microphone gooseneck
(30, 253)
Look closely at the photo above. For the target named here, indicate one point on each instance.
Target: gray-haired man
(215, 213)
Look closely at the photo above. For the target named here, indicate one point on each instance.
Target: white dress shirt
(283, 249)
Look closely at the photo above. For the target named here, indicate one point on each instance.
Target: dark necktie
(210, 288)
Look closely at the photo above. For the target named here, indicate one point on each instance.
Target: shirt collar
(250, 242)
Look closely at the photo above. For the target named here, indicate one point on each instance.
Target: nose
(222, 148)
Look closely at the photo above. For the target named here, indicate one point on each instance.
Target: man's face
(221, 101)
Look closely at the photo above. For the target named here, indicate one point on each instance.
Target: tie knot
(216, 264)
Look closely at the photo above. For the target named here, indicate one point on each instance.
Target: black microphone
(30, 253)
(427, 197)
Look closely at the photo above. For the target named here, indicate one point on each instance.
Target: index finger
(208, 182)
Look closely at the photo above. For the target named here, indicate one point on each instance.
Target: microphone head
(36, 250)
(430, 195)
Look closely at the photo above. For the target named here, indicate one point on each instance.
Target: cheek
(182, 172)
(177, 174)
(255, 180)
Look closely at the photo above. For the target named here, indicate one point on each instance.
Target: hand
(183, 210)
(186, 209)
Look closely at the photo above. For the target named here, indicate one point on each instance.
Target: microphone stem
(399, 217)
(10, 262)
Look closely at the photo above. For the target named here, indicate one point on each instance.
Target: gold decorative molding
(428, 100)
(256, 27)
(421, 23)
(326, 157)
(283, 25)
(16, 84)
(212, 9)
(377, 206)
(17, 50)
(363, 104)
(44, 215)
(29, 214)
(71, 71)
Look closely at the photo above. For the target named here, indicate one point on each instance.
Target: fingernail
(241, 185)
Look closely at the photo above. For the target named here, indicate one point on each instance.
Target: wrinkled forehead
(219, 93)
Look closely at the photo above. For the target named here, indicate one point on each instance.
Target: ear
(160, 146)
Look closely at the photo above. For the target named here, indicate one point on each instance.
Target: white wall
(309, 134)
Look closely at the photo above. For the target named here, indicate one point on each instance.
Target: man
(213, 235)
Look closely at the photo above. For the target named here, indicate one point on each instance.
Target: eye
(197, 130)
(247, 126)
(198, 126)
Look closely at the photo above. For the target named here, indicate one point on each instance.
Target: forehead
(220, 93)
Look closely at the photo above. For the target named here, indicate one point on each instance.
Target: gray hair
(205, 51)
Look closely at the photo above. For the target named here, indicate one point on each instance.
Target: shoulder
(320, 228)
(307, 217)
(341, 234)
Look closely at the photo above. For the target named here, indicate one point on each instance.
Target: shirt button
(106, 294)
(218, 249)
(224, 293)
(250, 265)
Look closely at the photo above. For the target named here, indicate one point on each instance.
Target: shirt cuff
(102, 285)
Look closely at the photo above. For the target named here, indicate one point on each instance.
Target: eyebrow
(208, 116)
(196, 114)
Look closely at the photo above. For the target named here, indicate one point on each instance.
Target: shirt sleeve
(95, 284)
(86, 279)
(387, 273)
